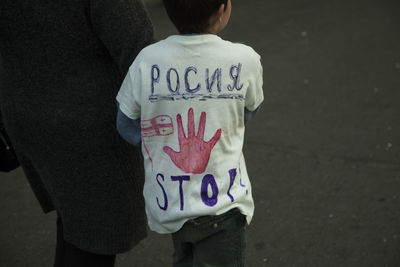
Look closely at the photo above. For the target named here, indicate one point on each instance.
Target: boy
(189, 95)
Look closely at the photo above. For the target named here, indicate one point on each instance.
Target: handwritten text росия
(184, 85)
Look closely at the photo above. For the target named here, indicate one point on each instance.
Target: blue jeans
(211, 241)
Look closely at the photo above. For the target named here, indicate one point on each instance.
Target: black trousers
(211, 241)
(68, 255)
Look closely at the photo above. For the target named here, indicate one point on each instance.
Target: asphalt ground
(323, 154)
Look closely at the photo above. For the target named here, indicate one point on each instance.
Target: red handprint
(194, 152)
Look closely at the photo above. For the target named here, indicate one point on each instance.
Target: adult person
(64, 62)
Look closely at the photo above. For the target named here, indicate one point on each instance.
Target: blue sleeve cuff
(129, 129)
(250, 114)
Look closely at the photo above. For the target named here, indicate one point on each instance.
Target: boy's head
(197, 16)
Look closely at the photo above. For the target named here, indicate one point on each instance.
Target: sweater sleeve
(123, 26)
(248, 115)
(129, 129)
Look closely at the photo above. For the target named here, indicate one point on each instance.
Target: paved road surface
(323, 155)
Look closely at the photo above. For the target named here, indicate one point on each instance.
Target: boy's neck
(193, 34)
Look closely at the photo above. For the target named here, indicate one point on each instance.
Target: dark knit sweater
(64, 62)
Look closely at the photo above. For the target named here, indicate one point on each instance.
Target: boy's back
(190, 92)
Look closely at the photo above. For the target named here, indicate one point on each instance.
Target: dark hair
(192, 16)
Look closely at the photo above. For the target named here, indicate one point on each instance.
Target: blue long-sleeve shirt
(129, 129)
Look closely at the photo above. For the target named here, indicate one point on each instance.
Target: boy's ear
(220, 12)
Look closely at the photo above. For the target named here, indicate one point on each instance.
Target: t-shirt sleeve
(254, 94)
(129, 95)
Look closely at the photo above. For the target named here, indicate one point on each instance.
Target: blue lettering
(235, 76)
(209, 180)
(181, 179)
(241, 183)
(232, 175)
(216, 76)
(165, 194)
(154, 79)
(187, 85)
(178, 84)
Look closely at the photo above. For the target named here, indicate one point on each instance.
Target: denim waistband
(214, 218)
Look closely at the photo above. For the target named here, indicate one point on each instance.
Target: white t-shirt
(190, 93)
